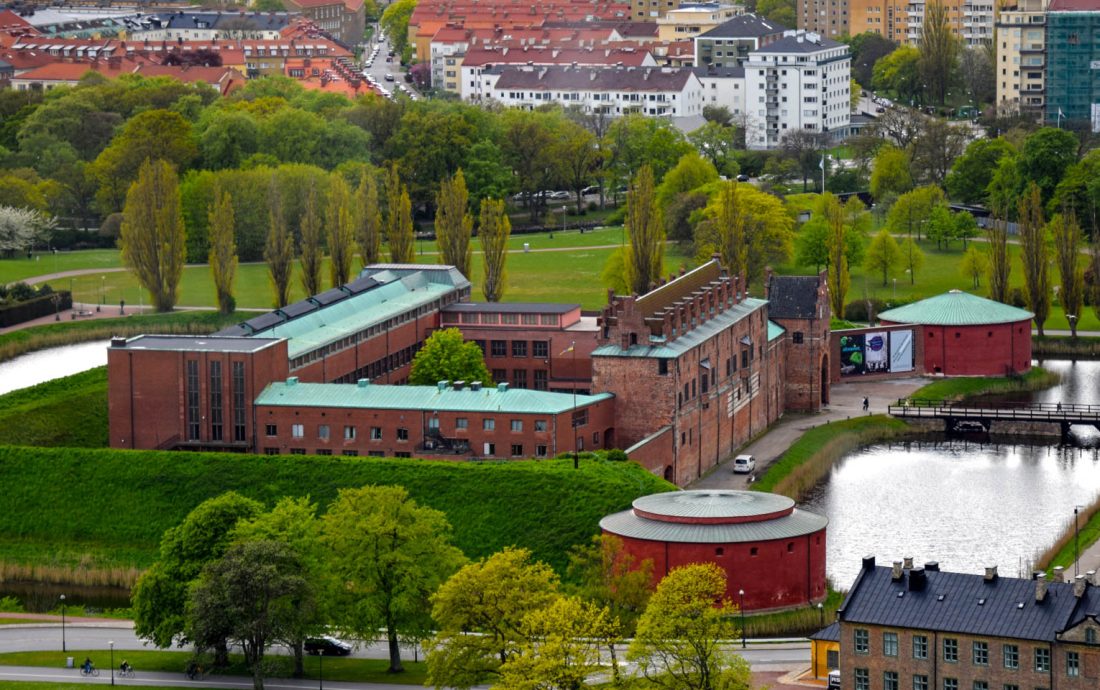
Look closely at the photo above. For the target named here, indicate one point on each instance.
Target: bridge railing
(922, 407)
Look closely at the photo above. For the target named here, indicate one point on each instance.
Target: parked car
(388, 77)
(327, 646)
(743, 464)
(558, 195)
(590, 189)
(742, 178)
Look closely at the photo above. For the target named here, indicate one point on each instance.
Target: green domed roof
(956, 308)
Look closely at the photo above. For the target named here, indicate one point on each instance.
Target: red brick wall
(558, 437)
(918, 352)
(563, 370)
(655, 453)
(771, 575)
(353, 362)
(991, 350)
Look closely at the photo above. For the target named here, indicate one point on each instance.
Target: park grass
(962, 387)
(23, 341)
(50, 685)
(811, 457)
(89, 509)
(1063, 346)
(18, 269)
(341, 669)
(67, 412)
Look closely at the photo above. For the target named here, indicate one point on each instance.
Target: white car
(743, 464)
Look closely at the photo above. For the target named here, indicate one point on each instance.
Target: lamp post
(1072, 318)
(63, 624)
(821, 612)
(112, 645)
(102, 290)
(1076, 536)
(321, 671)
(744, 643)
(564, 210)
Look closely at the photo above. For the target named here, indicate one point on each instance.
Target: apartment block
(729, 44)
(1073, 62)
(1021, 57)
(887, 18)
(824, 17)
(691, 19)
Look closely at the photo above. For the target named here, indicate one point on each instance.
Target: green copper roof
(429, 398)
(775, 330)
(671, 350)
(956, 308)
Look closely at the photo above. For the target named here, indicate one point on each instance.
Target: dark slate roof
(724, 72)
(263, 321)
(360, 285)
(830, 633)
(745, 26)
(963, 603)
(196, 343)
(799, 43)
(792, 297)
(255, 21)
(512, 307)
(591, 78)
(298, 308)
(330, 296)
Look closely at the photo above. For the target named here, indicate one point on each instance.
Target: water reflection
(45, 365)
(962, 504)
(1080, 385)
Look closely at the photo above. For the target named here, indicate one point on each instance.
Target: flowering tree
(21, 228)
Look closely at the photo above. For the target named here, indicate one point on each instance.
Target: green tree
(150, 135)
(913, 257)
(971, 172)
(966, 227)
(528, 145)
(578, 158)
(867, 49)
(399, 227)
(647, 234)
(680, 636)
(974, 265)
(310, 251)
(279, 247)
(781, 12)
(936, 147)
(1005, 187)
(340, 219)
(605, 573)
(486, 173)
(395, 22)
(152, 238)
(1067, 248)
(884, 255)
(837, 274)
(390, 555)
(999, 266)
(223, 251)
(890, 174)
(718, 143)
(1034, 254)
(490, 598)
(560, 647)
(447, 357)
(252, 596)
(369, 218)
(911, 213)
(941, 226)
(160, 595)
(453, 224)
(811, 244)
(635, 140)
(493, 231)
(1045, 157)
(613, 274)
(899, 72)
(691, 172)
(939, 51)
(747, 227)
(227, 139)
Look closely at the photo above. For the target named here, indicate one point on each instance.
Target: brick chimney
(896, 573)
(1080, 584)
(991, 573)
(1059, 574)
(1040, 587)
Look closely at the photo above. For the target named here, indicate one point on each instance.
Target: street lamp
(1076, 536)
(63, 623)
(112, 645)
(321, 670)
(563, 212)
(821, 611)
(741, 593)
(102, 289)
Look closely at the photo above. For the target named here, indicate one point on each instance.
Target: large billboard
(876, 352)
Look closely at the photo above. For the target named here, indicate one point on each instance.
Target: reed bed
(80, 574)
(1064, 346)
(1061, 551)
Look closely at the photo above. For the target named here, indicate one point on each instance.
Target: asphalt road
(380, 68)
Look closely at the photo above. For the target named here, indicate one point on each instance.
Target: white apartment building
(655, 91)
(1020, 65)
(723, 87)
(800, 82)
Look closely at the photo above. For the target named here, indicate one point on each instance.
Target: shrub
(1017, 298)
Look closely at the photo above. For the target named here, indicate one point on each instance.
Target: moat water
(962, 502)
(46, 365)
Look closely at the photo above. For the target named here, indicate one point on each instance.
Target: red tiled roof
(1074, 6)
(627, 56)
(10, 21)
(223, 78)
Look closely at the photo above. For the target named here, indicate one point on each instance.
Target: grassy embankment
(95, 516)
(35, 338)
(961, 388)
(336, 668)
(66, 412)
(1062, 551)
(1062, 346)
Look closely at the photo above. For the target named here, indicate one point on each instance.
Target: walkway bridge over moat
(976, 417)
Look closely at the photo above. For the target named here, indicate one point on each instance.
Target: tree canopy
(445, 356)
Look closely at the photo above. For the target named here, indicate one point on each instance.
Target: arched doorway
(668, 474)
(824, 380)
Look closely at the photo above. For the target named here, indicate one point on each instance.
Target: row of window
(493, 318)
(517, 451)
(979, 652)
(519, 378)
(216, 418)
(891, 681)
(380, 367)
(540, 349)
(324, 431)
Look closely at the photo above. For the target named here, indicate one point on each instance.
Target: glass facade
(1073, 66)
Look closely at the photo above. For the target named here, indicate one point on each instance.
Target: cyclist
(125, 666)
(87, 666)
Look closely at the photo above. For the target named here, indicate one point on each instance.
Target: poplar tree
(309, 250)
(341, 230)
(152, 237)
(279, 248)
(453, 224)
(494, 228)
(369, 219)
(646, 251)
(837, 271)
(1034, 254)
(939, 50)
(223, 250)
(1004, 187)
(1067, 245)
(883, 255)
(729, 230)
(399, 228)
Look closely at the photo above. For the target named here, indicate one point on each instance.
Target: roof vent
(292, 381)
(502, 387)
(458, 385)
(940, 597)
(896, 573)
(868, 562)
(917, 580)
(1019, 604)
(475, 386)
(363, 383)
(981, 602)
(1059, 574)
(442, 385)
(991, 573)
(118, 341)
(932, 566)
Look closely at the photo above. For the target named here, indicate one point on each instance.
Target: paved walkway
(846, 401)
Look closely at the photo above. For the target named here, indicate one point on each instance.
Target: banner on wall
(852, 358)
(901, 350)
(875, 357)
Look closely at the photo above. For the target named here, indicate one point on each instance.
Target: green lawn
(960, 388)
(70, 411)
(14, 270)
(335, 669)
